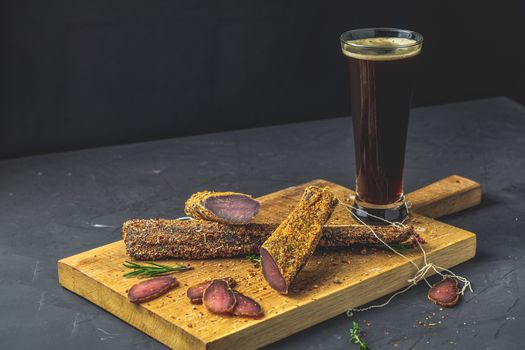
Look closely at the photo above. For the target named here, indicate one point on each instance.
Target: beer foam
(381, 48)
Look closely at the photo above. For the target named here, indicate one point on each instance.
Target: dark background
(77, 74)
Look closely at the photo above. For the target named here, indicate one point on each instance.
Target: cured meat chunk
(246, 306)
(151, 289)
(290, 246)
(219, 298)
(226, 207)
(196, 292)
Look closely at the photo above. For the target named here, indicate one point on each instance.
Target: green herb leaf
(154, 270)
(356, 336)
(254, 259)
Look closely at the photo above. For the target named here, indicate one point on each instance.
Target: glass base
(369, 213)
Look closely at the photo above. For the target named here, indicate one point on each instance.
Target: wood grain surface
(331, 283)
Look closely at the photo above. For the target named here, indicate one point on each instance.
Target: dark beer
(382, 71)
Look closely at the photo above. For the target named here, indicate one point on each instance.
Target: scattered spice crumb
(190, 325)
(363, 251)
(337, 280)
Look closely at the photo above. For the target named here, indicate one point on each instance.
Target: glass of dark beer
(382, 64)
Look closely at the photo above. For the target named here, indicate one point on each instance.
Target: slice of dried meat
(196, 292)
(247, 307)
(219, 298)
(445, 293)
(226, 207)
(151, 289)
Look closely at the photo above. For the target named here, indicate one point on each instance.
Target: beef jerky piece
(195, 292)
(290, 246)
(154, 239)
(247, 307)
(445, 293)
(219, 298)
(226, 207)
(151, 289)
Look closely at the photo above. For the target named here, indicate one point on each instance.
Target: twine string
(421, 271)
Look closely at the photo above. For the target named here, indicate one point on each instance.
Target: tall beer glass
(382, 64)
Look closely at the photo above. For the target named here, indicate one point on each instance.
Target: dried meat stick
(155, 239)
(290, 246)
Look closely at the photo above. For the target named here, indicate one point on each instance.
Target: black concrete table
(56, 205)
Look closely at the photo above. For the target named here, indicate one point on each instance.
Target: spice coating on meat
(290, 246)
(226, 207)
(154, 239)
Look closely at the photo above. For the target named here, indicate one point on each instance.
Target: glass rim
(417, 37)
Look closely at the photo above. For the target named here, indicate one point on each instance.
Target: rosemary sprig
(356, 336)
(155, 270)
(254, 259)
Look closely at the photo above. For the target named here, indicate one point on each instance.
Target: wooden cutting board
(97, 275)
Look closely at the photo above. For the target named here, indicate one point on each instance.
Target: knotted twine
(421, 271)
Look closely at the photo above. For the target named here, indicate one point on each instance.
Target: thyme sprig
(255, 259)
(154, 270)
(356, 336)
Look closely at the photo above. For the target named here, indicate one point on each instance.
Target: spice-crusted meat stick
(154, 239)
(290, 246)
(348, 235)
(226, 207)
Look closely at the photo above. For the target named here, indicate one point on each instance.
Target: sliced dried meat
(151, 289)
(445, 293)
(225, 207)
(196, 292)
(154, 239)
(247, 307)
(219, 298)
(287, 250)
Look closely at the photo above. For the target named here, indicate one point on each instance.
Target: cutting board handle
(446, 196)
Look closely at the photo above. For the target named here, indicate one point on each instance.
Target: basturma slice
(445, 293)
(219, 298)
(247, 307)
(151, 289)
(196, 292)
(154, 239)
(287, 250)
(226, 207)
